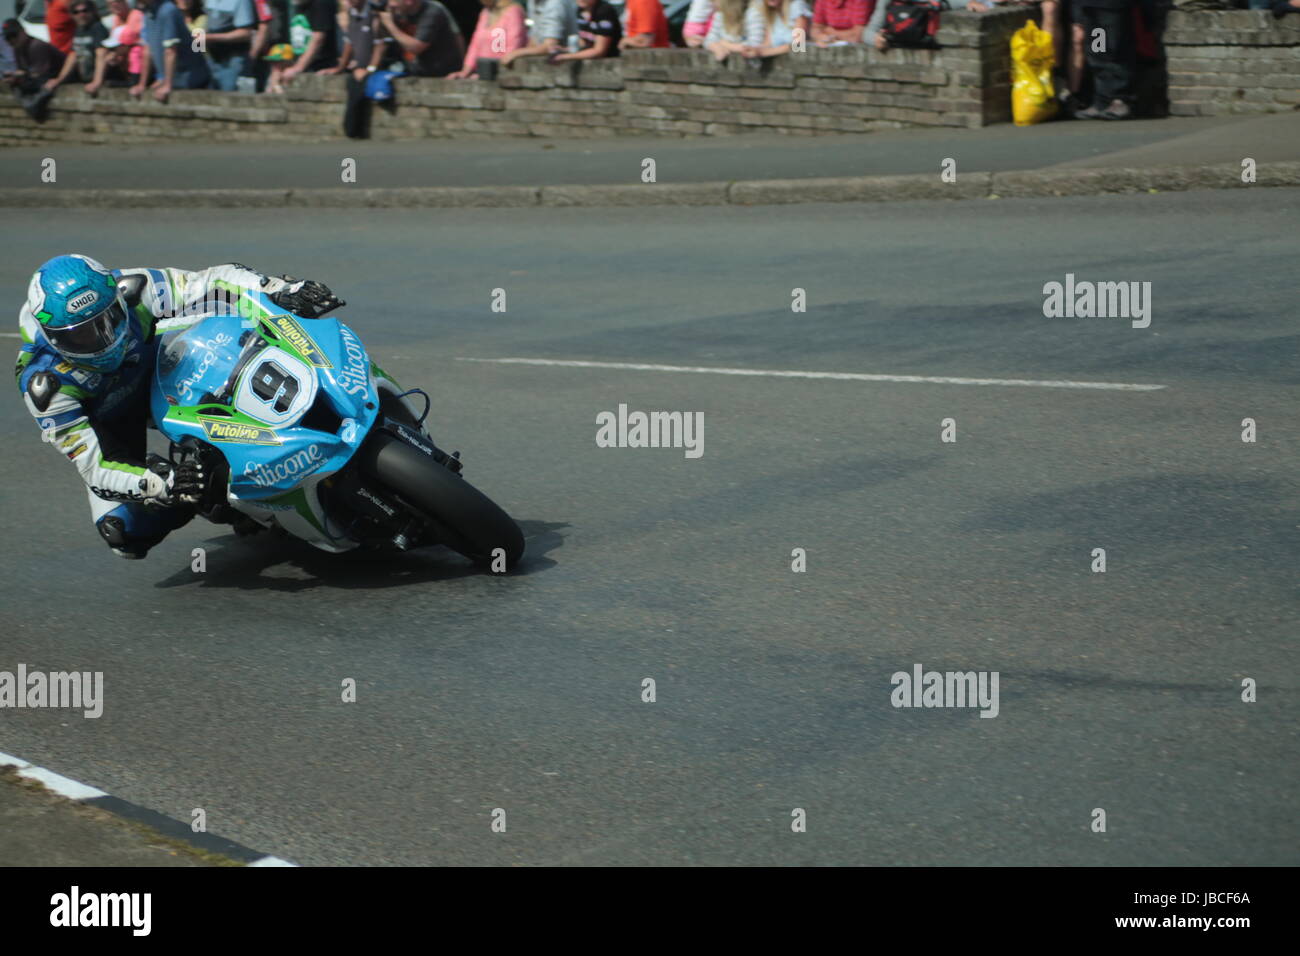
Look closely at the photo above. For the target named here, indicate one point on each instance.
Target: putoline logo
(300, 340)
(83, 300)
(239, 433)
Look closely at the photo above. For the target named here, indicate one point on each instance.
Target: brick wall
(1218, 62)
(1238, 61)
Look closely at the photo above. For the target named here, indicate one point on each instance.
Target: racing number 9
(273, 385)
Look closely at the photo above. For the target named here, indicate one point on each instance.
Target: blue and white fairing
(287, 400)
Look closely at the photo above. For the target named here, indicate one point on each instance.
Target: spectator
(195, 19)
(169, 52)
(113, 67)
(358, 40)
(500, 29)
(278, 52)
(358, 50)
(1114, 67)
(314, 35)
(123, 52)
(554, 21)
(87, 46)
(776, 21)
(423, 34)
(841, 21)
(699, 18)
(7, 62)
(230, 26)
(733, 31)
(61, 24)
(258, 68)
(644, 25)
(131, 21)
(35, 62)
(599, 32)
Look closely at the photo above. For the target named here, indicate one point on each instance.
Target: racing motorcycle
(297, 429)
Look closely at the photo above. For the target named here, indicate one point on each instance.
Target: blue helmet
(81, 312)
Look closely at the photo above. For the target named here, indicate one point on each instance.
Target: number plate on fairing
(276, 388)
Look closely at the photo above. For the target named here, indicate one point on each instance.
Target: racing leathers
(99, 420)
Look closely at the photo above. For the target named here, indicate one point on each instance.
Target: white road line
(9, 760)
(61, 785)
(273, 861)
(833, 376)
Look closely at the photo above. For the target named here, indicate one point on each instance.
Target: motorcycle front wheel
(461, 516)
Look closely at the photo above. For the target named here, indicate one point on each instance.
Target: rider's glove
(167, 484)
(306, 298)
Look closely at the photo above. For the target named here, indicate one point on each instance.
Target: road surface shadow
(245, 563)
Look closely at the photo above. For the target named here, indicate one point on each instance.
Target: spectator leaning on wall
(775, 22)
(699, 17)
(128, 30)
(836, 22)
(229, 37)
(599, 31)
(554, 21)
(644, 25)
(35, 63)
(733, 30)
(169, 52)
(87, 46)
(358, 39)
(422, 35)
(314, 34)
(278, 54)
(500, 30)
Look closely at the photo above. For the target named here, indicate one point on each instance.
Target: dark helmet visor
(92, 336)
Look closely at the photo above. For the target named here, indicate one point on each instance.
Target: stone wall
(1239, 61)
(1218, 63)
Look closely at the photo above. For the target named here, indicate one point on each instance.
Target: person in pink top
(128, 24)
(500, 29)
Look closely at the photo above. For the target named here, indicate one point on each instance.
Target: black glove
(170, 484)
(306, 298)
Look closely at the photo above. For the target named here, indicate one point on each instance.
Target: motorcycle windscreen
(201, 360)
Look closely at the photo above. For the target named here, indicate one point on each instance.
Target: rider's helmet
(81, 312)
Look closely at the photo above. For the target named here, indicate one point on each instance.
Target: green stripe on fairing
(298, 499)
(193, 414)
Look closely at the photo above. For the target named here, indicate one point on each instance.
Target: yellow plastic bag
(1033, 98)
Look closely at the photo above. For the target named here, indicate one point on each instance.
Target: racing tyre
(463, 518)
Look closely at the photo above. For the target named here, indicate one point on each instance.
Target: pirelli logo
(238, 433)
(289, 328)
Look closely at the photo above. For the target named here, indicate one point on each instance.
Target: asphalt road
(1118, 691)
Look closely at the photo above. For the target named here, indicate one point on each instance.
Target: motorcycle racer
(89, 346)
